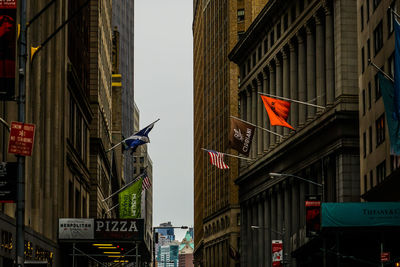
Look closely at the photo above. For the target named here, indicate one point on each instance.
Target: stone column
(294, 107)
(274, 214)
(260, 233)
(248, 105)
(272, 90)
(320, 61)
(279, 86)
(267, 222)
(249, 254)
(280, 214)
(254, 116)
(243, 104)
(265, 120)
(330, 58)
(259, 116)
(310, 70)
(287, 221)
(254, 240)
(286, 81)
(302, 78)
(243, 227)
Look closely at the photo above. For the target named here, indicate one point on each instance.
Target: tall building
(168, 255)
(307, 51)
(378, 168)
(217, 26)
(123, 22)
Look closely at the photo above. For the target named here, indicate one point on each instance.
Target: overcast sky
(164, 89)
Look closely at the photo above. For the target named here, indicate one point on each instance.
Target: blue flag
(388, 95)
(137, 139)
(397, 68)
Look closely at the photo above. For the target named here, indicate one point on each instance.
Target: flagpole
(257, 126)
(125, 186)
(128, 137)
(394, 12)
(292, 100)
(380, 70)
(113, 208)
(230, 155)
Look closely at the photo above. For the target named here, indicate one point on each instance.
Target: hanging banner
(277, 253)
(313, 217)
(130, 201)
(241, 136)
(8, 30)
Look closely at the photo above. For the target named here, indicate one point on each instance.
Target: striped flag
(217, 159)
(146, 184)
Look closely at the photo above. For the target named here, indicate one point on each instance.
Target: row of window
(379, 135)
(380, 175)
(367, 11)
(275, 33)
(78, 131)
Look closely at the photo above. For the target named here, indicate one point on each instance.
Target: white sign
(71, 228)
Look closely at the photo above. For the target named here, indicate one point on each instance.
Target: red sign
(313, 217)
(385, 256)
(8, 32)
(12, 4)
(277, 253)
(21, 138)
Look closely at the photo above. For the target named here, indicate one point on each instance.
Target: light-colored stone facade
(217, 26)
(306, 51)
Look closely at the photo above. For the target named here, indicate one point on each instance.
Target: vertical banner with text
(8, 31)
(313, 216)
(277, 253)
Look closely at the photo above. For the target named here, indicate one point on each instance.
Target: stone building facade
(69, 99)
(378, 167)
(306, 51)
(217, 25)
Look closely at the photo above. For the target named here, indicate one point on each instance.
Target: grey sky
(164, 89)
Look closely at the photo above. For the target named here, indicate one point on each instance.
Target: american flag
(217, 159)
(146, 184)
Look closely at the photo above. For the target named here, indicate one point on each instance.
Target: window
(301, 5)
(394, 162)
(254, 59)
(72, 121)
(367, 9)
(377, 88)
(380, 130)
(378, 38)
(71, 198)
(370, 139)
(240, 15)
(362, 17)
(293, 13)
(368, 49)
(369, 95)
(265, 45)
(271, 37)
(285, 22)
(78, 213)
(278, 30)
(240, 35)
(389, 15)
(381, 171)
(371, 179)
(364, 144)
(375, 3)
(362, 60)
(259, 52)
(141, 159)
(391, 65)
(363, 101)
(365, 183)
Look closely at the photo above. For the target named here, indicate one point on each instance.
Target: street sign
(21, 138)
(8, 182)
(385, 256)
(277, 253)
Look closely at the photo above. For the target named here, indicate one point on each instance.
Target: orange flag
(278, 111)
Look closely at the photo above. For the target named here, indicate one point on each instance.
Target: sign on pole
(8, 182)
(21, 138)
(277, 253)
(8, 30)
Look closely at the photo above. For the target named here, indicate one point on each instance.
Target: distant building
(186, 250)
(168, 255)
